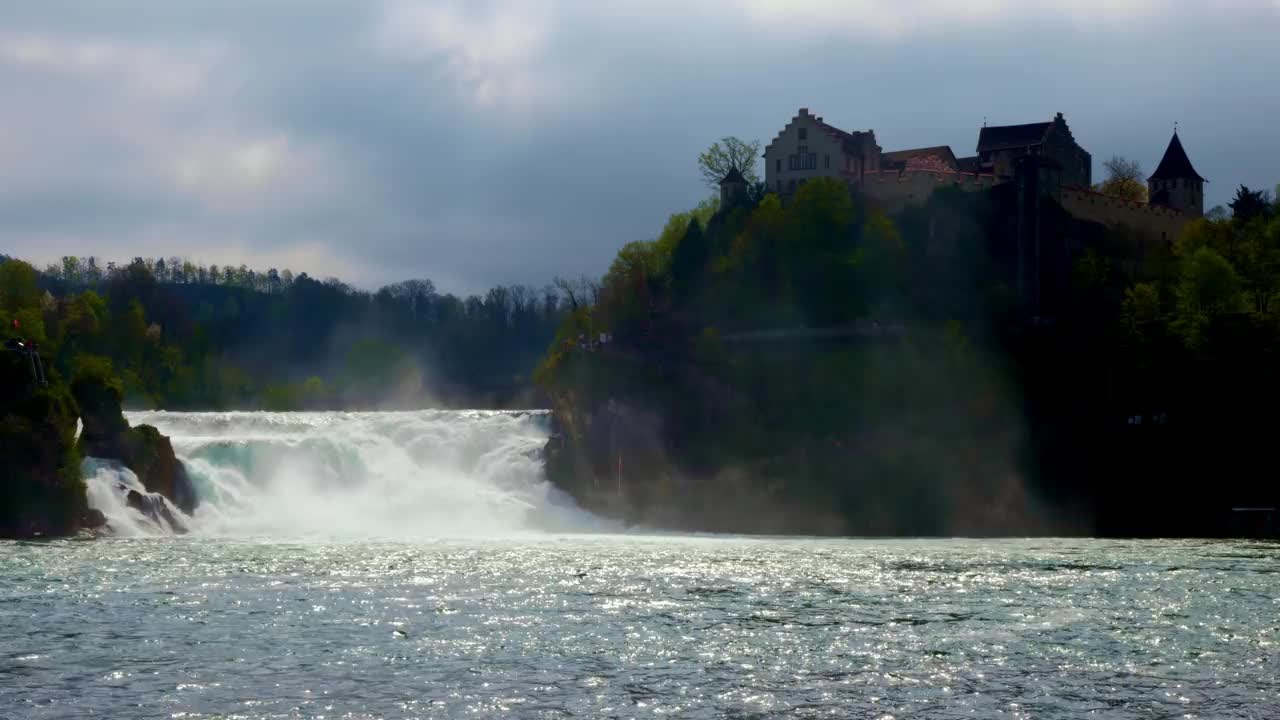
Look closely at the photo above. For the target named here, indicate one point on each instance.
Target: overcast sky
(476, 143)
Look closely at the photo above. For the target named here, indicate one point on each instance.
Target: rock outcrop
(154, 507)
(647, 455)
(41, 492)
(106, 434)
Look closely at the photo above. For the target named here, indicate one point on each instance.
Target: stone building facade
(999, 148)
(1039, 173)
(808, 147)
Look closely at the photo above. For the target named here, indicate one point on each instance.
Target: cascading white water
(108, 486)
(429, 473)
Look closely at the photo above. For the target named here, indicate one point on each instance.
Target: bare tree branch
(730, 152)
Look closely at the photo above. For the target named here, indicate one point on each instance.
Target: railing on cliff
(862, 329)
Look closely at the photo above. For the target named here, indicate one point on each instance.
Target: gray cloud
(484, 142)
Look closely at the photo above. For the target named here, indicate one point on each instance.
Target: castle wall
(1154, 223)
(892, 191)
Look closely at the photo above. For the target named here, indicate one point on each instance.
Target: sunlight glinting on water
(368, 565)
(633, 626)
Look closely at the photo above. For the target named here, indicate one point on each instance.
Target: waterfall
(394, 475)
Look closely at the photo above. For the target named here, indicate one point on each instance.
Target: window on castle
(804, 133)
(803, 159)
(777, 165)
(827, 159)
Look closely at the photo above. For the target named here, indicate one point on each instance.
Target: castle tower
(733, 189)
(1175, 184)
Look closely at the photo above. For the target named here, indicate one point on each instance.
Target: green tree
(1207, 288)
(628, 289)
(1259, 262)
(71, 269)
(1249, 204)
(820, 256)
(372, 370)
(314, 393)
(1124, 180)
(20, 301)
(882, 259)
(280, 398)
(689, 261)
(18, 288)
(1139, 311)
(756, 252)
(678, 223)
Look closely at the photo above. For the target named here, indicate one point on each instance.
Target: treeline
(88, 272)
(187, 336)
(906, 385)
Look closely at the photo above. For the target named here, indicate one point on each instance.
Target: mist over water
(347, 475)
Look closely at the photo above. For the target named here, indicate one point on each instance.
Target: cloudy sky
(477, 142)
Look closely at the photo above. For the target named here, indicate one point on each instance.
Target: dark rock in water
(107, 435)
(154, 507)
(135, 500)
(150, 456)
(93, 518)
(41, 492)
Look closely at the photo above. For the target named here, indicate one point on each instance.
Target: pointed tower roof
(733, 176)
(1175, 163)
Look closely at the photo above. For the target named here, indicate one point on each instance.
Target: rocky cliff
(106, 434)
(654, 454)
(41, 492)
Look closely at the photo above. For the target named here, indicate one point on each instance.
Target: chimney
(804, 111)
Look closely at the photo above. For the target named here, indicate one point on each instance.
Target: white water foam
(423, 474)
(107, 487)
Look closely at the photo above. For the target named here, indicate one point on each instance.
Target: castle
(808, 147)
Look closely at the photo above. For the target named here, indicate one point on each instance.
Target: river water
(473, 590)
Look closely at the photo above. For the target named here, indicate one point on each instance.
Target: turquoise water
(627, 626)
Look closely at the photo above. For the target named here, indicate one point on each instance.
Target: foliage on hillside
(184, 336)
(969, 422)
(41, 492)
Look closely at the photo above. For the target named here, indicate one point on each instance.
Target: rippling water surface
(610, 626)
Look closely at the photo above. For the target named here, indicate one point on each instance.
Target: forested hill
(816, 366)
(185, 336)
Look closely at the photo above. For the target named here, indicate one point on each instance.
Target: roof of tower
(1175, 163)
(1001, 137)
(733, 176)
